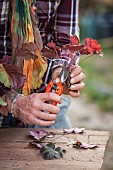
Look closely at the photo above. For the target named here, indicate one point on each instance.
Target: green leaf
(49, 155)
(58, 149)
(63, 150)
(2, 102)
(51, 145)
(57, 155)
(49, 152)
(4, 77)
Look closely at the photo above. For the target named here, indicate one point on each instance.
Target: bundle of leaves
(10, 77)
(67, 51)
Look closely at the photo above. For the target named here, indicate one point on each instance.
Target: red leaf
(81, 145)
(74, 40)
(27, 51)
(18, 79)
(6, 60)
(92, 46)
(51, 45)
(41, 133)
(73, 48)
(38, 145)
(38, 134)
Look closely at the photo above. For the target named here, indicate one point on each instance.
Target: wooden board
(17, 154)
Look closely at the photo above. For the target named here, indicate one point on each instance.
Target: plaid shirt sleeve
(58, 19)
(5, 42)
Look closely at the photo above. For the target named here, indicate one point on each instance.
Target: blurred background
(94, 108)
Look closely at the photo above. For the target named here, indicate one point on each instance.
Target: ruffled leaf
(80, 145)
(74, 130)
(27, 51)
(4, 76)
(74, 40)
(16, 77)
(41, 133)
(2, 102)
(49, 152)
(6, 60)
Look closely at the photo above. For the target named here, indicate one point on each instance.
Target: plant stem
(50, 142)
(86, 58)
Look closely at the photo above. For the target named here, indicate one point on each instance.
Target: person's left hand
(76, 81)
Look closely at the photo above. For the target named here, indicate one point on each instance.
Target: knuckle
(49, 95)
(30, 119)
(34, 95)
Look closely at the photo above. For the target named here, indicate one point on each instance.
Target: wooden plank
(38, 165)
(16, 154)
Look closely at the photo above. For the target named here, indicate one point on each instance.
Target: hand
(77, 77)
(32, 109)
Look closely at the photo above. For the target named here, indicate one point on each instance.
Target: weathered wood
(17, 154)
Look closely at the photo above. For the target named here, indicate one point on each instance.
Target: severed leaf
(38, 134)
(41, 133)
(49, 152)
(74, 130)
(80, 145)
(37, 144)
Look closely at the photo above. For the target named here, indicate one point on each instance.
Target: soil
(82, 113)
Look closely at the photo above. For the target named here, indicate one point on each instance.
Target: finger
(77, 78)
(50, 108)
(79, 86)
(75, 71)
(45, 116)
(74, 93)
(37, 121)
(50, 96)
(42, 122)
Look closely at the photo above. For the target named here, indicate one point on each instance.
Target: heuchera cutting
(90, 47)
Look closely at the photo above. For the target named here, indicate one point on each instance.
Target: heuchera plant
(67, 51)
(11, 76)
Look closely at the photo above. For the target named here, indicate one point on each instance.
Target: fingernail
(72, 80)
(53, 122)
(72, 75)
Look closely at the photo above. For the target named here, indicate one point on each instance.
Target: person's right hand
(32, 109)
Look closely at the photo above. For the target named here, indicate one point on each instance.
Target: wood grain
(17, 154)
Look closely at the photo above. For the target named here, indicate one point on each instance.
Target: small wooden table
(16, 154)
